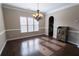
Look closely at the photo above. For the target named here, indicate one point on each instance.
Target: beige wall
(66, 17)
(2, 31)
(12, 23)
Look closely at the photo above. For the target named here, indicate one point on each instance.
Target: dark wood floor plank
(31, 47)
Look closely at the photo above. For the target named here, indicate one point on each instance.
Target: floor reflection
(29, 47)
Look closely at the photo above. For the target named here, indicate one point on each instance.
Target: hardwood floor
(39, 46)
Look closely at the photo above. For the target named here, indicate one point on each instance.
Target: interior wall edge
(3, 47)
(2, 32)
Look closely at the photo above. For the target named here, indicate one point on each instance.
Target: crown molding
(17, 8)
(3, 47)
(62, 8)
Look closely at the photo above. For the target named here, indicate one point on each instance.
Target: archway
(51, 25)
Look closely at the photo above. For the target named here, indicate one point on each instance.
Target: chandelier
(37, 15)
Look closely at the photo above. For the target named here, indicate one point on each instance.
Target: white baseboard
(3, 47)
(74, 43)
(23, 37)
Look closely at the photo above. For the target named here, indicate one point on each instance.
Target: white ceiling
(43, 7)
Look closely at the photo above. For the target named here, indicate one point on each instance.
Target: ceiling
(43, 7)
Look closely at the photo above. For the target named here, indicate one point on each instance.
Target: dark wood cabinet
(62, 33)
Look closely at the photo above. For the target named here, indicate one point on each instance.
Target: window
(23, 24)
(36, 25)
(28, 24)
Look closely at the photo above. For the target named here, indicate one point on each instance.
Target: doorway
(51, 25)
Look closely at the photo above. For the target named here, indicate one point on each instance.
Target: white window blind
(23, 24)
